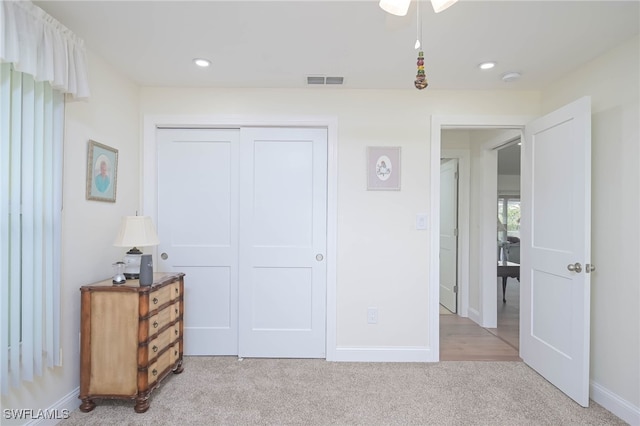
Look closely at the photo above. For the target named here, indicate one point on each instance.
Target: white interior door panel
(283, 242)
(556, 238)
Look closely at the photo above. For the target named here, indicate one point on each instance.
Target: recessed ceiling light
(202, 62)
(487, 65)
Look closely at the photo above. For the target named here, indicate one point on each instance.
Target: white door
(198, 231)
(283, 208)
(555, 230)
(448, 233)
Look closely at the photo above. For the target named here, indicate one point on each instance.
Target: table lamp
(135, 231)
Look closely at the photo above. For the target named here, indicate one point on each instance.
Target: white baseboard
(618, 406)
(59, 410)
(474, 316)
(397, 354)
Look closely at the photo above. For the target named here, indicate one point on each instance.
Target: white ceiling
(273, 44)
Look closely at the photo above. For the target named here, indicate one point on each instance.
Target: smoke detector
(510, 76)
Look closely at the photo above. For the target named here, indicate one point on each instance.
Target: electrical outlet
(372, 315)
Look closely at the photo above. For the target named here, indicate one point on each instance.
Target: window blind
(31, 132)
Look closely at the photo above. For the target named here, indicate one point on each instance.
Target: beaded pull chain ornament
(421, 78)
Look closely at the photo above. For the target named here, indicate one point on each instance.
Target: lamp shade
(136, 231)
(440, 5)
(395, 7)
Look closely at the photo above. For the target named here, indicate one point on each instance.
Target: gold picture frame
(102, 172)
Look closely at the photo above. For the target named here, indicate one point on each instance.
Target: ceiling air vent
(335, 80)
(324, 80)
(315, 80)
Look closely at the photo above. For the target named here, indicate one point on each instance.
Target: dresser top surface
(159, 279)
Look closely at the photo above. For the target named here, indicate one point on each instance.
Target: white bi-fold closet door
(243, 213)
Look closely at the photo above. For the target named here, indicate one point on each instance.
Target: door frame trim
(438, 122)
(149, 191)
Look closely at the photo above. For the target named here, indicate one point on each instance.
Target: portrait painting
(102, 172)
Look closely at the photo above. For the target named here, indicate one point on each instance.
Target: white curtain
(38, 45)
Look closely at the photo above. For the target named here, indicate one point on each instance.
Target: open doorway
(466, 336)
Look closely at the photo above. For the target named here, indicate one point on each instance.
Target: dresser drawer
(159, 320)
(159, 343)
(175, 291)
(174, 353)
(175, 332)
(156, 369)
(159, 297)
(174, 311)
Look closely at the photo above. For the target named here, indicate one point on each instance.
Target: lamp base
(132, 265)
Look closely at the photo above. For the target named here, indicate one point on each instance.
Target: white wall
(88, 227)
(382, 258)
(613, 82)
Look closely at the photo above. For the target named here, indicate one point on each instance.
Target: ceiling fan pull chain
(421, 78)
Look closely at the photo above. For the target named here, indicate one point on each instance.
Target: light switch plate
(421, 221)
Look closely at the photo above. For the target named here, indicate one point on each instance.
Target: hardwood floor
(463, 340)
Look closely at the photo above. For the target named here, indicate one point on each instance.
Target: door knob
(589, 268)
(319, 257)
(164, 256)
(576, 267)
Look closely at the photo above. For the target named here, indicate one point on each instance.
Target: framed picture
(102, 172)
(383, 168)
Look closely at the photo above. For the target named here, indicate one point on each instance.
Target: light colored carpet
(226, 391)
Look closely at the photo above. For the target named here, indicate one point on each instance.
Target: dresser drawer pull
(155, 300)
(155, 372)
(176, 332)
(155, 348)
(175, 352)
(155, 324)
(177, 291)
(176, 311)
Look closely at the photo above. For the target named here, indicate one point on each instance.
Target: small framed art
(383, 168)
(102, 172)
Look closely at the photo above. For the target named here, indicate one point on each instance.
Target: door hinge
(455, 232)
(455, 175)
(455, 288)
